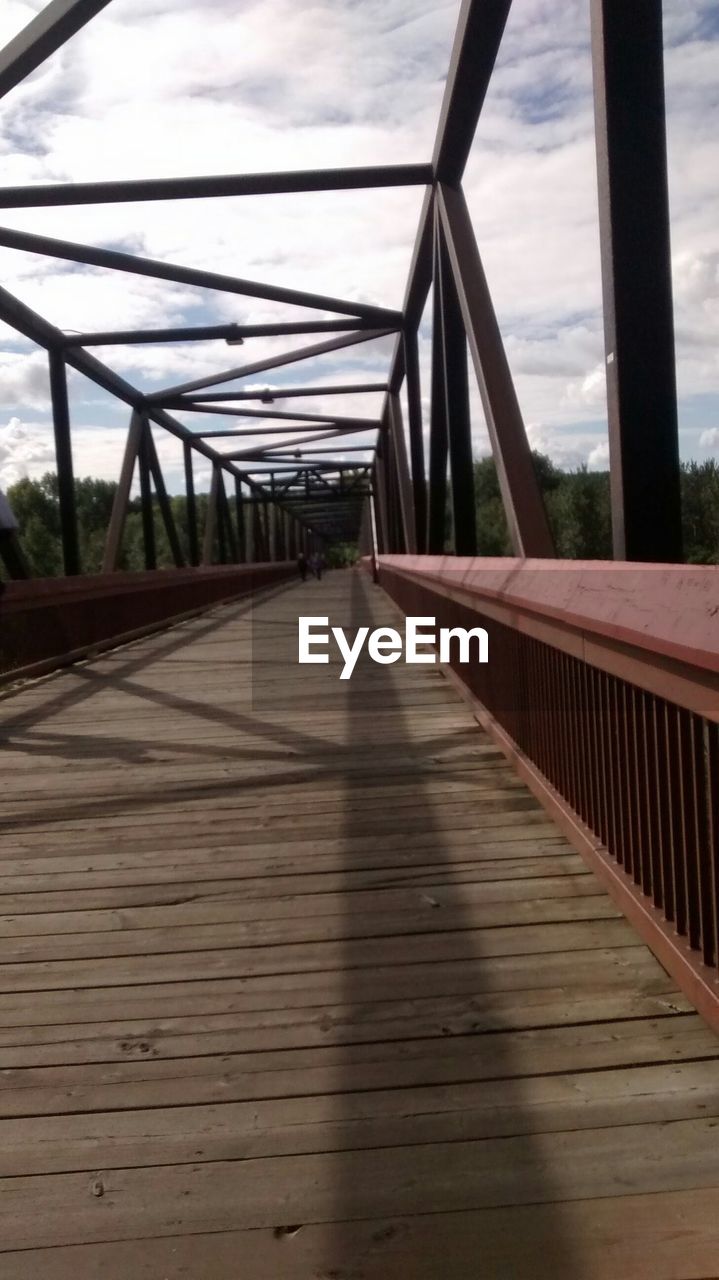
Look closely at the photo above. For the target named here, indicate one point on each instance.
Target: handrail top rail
(663, 609)
(22, 594)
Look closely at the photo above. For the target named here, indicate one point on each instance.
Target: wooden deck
(299, 983)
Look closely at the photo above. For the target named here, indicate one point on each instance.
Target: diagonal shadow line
(68, 697)
(128, 800)
(328, 765)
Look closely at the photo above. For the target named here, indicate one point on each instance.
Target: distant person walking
(318, 565)
(302, 566)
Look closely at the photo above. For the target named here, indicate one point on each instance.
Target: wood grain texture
(296, 972)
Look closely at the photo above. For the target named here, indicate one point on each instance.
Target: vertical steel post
(459, 426)
(438, 418)
(193, 543)
(258, 537)
(63, 455)
(208, 546)
(228, 541)
(378, 488)
(163, 499)
(148, 515)
(404, 495)
(239, 514)
(416, 442)
(627, 54)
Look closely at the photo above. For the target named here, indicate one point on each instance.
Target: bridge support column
(416, 442)
(437, 422)
(239, 515)
(459, 427)
(63, 457)
(523, 505)
(191, 506)
(148, 515)
(627, 51)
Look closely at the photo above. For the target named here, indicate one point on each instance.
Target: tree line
(577, 504)
(579, 513)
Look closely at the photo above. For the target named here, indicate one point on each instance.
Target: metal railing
(602, 686)
(51, 622)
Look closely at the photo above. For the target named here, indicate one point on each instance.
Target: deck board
(298, 982)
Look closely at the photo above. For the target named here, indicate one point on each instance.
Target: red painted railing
(602, 686)
(47, 622)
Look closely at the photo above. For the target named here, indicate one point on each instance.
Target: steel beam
(344, 431)
(284, 393)
(211, 517)
(225, 526)
(526, 517)
(63, 457)
(148, 515)
(271, 362)
(627, 51)
(118, 516)
(163, 500)
(37, 329)
(476, 44)
(331, 419)
(212, 186)
(47, 32)
(330, 434)
(404, 483)
(240, 518)
(418, 283)
(459, 426)
(348, 448)
(207, 332)
(416, 442)
(90, 255)
(438, 437)
(191, 505)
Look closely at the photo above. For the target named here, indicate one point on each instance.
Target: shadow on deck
(299, 981)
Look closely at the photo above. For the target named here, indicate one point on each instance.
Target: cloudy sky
(174, 87)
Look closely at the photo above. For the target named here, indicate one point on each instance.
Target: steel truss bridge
(414, 977)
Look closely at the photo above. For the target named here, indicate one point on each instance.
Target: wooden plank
(665, 1236)
(645, 1159)
(598, 973)
(304, 958)
(338, 905)
(282, 953)
(461, 1112)
(110, 1037)
(647, 1232)
(232, 882)
(341, 1069)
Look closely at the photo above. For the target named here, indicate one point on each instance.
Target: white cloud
(599, 456)
(591, 391)
(25, 450)
(569, 449)
(709, 439)
(24, 380)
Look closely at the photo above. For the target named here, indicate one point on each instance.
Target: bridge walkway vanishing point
(298, 981)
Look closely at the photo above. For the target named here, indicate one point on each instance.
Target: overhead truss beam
(90, 255)
(212, 186)
(46, 33)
